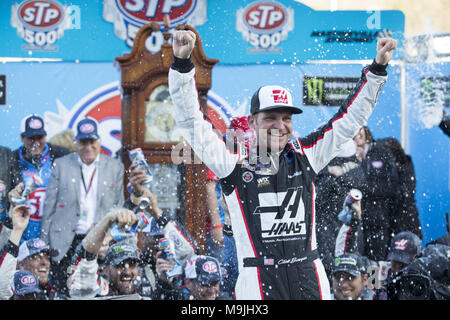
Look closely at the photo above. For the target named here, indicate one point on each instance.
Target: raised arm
(196, 129)
(325, 143)
(20, 217)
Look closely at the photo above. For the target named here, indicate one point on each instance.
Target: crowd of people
(67, 231)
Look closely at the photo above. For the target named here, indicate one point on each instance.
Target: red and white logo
(129, 16)
(87, 128)
(38, 243)
(209, 266)
(41, 22)
(28, 280)
(265, 24)
(280, 97)
(401, 244)
(43, 15)
(144, 12)
(104, 104)
(265, 16)
(35, 124)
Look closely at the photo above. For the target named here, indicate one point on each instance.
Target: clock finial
(166, 27)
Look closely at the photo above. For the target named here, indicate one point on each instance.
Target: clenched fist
(183, 43)
(385, 49)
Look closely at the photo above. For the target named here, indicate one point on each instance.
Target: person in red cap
(269, 188)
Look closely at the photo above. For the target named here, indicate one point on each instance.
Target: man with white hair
(83, 187)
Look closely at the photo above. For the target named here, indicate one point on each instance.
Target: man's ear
(251, 119)
(365, 277)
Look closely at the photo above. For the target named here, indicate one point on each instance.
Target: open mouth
(42, 273)
(126, 281)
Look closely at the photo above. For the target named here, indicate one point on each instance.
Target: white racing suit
(273, 214)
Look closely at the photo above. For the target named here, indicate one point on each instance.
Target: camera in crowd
(427, 278)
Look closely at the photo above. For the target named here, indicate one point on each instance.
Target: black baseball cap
(87, 129)
(351, 263)
(272, 97)
(32, 125)
(204, 269)
(119, 252)
(405, 247)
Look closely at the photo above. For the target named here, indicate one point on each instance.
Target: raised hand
(183, 43)
(20, 216)
(385, 49)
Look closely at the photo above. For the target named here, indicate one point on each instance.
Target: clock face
(160, 117)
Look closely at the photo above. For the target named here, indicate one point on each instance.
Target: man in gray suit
(83, 187)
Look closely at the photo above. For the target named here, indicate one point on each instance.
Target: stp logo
(42, 15)
(87, 128)
(209, 266)
(265, 16)
(154, 10)
(265, 24)
(28, 280)
(35, 124)
(41, 23)
(129, 16)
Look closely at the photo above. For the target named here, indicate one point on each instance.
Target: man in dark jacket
(34, 157)
(407, 215)
(377, 178)
(445, 124)
(6, 159)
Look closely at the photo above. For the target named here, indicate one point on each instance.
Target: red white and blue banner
(236, 32)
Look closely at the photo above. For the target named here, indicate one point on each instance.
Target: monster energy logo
(326, 91)
(315, 89)
(435, 91)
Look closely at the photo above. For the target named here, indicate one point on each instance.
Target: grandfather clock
(148, 123)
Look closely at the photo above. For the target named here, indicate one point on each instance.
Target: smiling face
(39, 265)
(88, 149)
(347, 286)
(123, 276)
(273, 128)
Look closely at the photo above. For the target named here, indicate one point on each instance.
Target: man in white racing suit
(269, 187)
